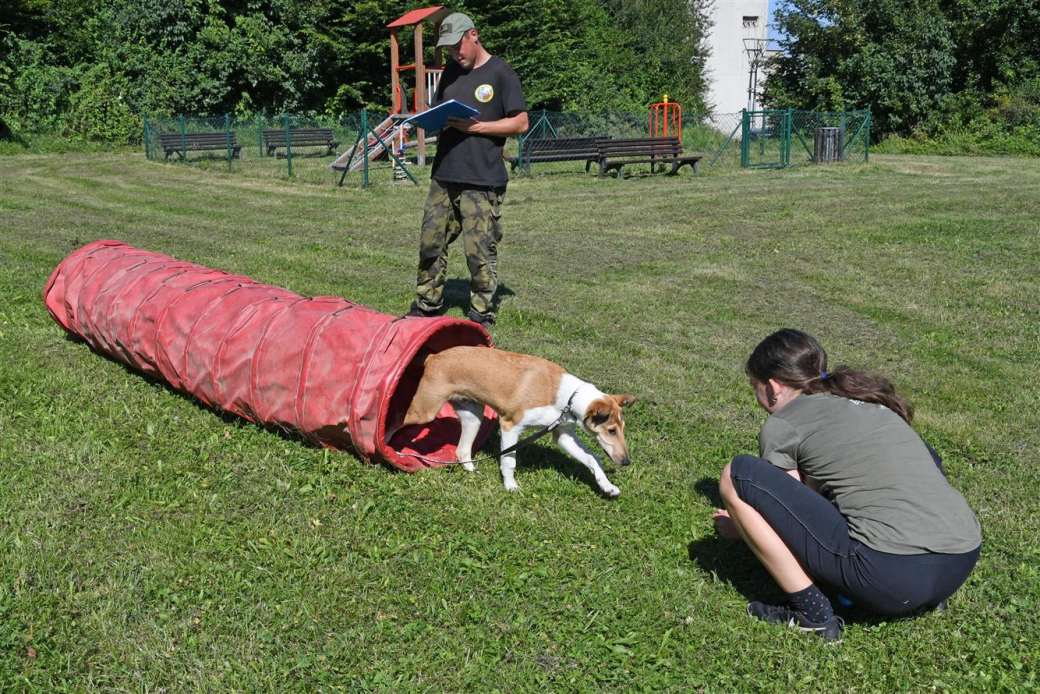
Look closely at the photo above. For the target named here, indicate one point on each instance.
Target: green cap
(453, 27)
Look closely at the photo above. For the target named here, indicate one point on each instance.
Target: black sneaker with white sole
(783, 614)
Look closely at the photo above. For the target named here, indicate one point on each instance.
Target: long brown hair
(796, 359)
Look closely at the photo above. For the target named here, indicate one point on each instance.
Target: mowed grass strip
(148, 543)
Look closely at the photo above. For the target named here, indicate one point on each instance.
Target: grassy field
(150, 544)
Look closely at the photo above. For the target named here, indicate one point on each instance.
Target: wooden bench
(614, 154)
(546, 149)
(175, 143)
(300, 137)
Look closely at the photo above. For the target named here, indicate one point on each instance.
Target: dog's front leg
(573, 445)
(507, 462)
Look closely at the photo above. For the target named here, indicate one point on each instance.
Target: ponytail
(796, 359)
(861, 385)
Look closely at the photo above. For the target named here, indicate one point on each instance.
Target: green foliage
(63, 59)
(34, 92)
(98, 110)
(895, 56)
(926, 68)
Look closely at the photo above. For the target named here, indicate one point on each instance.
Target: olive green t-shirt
(876, 470)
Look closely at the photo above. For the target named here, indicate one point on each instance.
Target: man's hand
(724, 525)
(504, 127)
(466, 125)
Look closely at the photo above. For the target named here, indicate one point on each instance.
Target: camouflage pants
(475, 213)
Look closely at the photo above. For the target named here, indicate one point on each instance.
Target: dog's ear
(598, 412)
(624, 400)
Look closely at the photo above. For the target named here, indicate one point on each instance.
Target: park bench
(177, 143)
(300, 137)
(614, 154)
(546, 149)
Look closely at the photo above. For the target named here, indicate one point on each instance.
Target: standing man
(469, 176)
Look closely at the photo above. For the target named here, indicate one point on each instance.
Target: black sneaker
(482, 319)
(416, 312)
(783, 614)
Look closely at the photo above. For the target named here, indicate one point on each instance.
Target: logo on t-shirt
(484, 93)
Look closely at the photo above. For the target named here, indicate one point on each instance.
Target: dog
(526, 392)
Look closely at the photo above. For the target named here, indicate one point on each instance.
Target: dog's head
(604, 421)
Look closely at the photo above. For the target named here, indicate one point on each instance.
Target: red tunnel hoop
(324, 367)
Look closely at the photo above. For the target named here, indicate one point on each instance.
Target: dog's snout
(625, 461)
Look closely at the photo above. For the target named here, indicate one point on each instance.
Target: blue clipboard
(434, 118)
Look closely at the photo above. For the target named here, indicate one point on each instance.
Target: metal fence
(362, 149)
(750, 139)
(281, 146)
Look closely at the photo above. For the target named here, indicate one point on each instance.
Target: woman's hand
(724, 525)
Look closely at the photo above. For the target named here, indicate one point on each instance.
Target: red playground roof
(416, 16)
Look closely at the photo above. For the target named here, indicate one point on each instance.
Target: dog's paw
(469, 467)
(611, 490)
(511, 486)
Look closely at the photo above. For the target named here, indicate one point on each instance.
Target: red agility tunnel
(322, 366)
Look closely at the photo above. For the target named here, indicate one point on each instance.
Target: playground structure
(666, 119)
(392, 134)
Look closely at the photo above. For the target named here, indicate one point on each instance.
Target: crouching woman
(843, 495)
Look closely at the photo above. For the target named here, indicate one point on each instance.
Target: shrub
(98, 110)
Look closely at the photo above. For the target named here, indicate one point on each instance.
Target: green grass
(150, 544)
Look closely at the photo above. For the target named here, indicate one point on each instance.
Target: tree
(895, 56)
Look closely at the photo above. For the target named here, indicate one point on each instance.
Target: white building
(729, 65)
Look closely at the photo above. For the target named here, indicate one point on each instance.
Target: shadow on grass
(229, 418)
(545, 455)
(456, 293)
(730, 561)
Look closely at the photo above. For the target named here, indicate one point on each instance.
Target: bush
(98, 110)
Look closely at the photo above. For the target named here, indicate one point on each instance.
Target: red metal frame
(666, 119)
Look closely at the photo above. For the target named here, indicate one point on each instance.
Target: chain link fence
(263, 146)
(366, 149)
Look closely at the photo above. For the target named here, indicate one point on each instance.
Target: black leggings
(818, 536)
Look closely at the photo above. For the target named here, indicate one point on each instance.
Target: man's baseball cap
(453, 27)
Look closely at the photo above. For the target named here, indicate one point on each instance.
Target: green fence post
(227, 136)
(184, 142)
(745, 138)
(841, 138)
(288, 145)
(147, 139)
(259, 134)
(364, 132)
(787, 138)
(866, 151)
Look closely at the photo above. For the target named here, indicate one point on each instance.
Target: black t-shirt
(494, 90)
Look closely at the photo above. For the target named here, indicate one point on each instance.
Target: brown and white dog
(526, 392)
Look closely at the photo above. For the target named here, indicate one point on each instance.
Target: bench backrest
(639, 146)
(195, 140)
(552, 145)
(299, 135)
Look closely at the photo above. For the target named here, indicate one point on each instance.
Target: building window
(750, 21)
